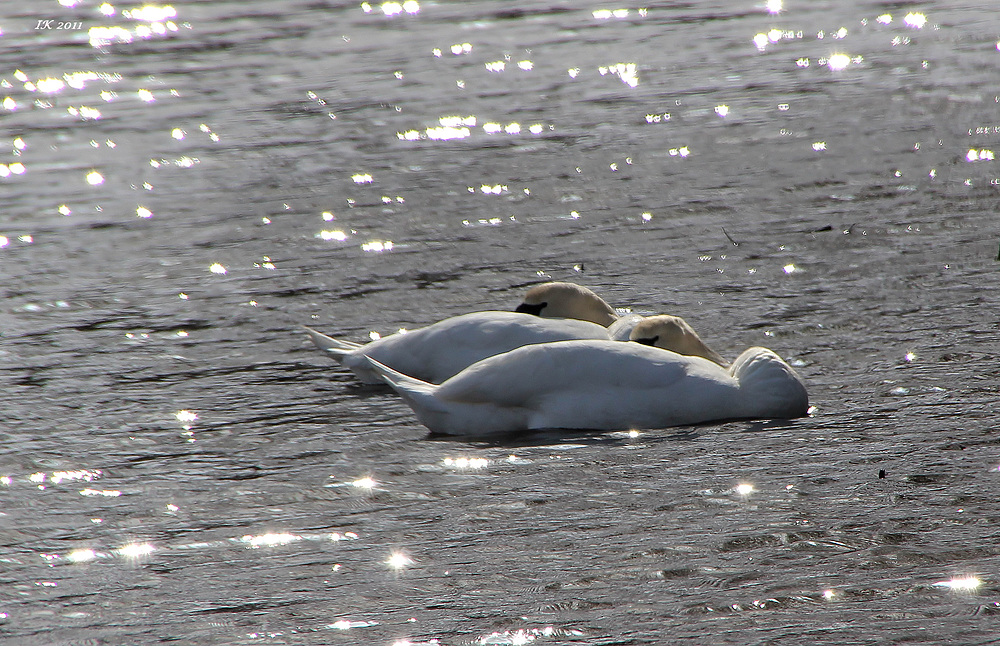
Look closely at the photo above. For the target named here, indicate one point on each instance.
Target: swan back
(769, 387)
(673, 333)
(436, 352)
(622, 328)
(567, 300)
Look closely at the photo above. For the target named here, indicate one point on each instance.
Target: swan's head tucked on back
(673, 333)
(566, 300)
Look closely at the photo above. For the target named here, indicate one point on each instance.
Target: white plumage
(673, 333)
(601, 385)
(443, 349)
(569, 300)
(436, 352)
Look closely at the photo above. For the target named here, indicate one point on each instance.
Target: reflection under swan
(345, 624)
(525, 636)
(269, 540)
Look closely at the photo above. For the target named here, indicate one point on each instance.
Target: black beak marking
(536, 310)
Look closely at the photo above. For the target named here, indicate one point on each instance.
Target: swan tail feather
(418, 394)
(334, 347)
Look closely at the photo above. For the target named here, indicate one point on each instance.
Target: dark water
(179, 464)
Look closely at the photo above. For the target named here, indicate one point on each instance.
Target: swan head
(673, 333)
(567, 300)
(770, 387)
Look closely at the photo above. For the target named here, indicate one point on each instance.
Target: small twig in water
(735, 243)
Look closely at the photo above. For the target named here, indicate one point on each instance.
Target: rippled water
(182, 186)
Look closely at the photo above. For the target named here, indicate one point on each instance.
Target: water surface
(183, 185)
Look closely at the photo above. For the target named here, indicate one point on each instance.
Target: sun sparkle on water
(364, 483)
(135, 550)
(466, 463)
(398, 560)
(838, 62)
(915, 20)
(961, 584)
(81, 556)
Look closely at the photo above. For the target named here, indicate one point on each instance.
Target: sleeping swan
(442, 350)
(673, 333)
(438, 351)
(601, 385)
(550, 300)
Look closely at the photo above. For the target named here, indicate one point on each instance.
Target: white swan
(601, 385)
(438, 351)
(673, 333)
(569, 300)
(441, 350)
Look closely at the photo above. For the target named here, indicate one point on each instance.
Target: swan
(443, 349)
(674, 333)
(439, 351)
(569, 300)
(600, 385)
